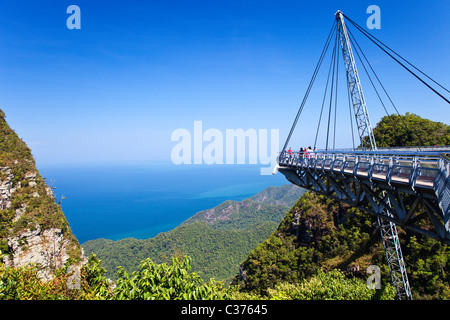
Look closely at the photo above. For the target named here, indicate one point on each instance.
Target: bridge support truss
(399, 188)
(389, 233)
(394, 258)
(403, 188)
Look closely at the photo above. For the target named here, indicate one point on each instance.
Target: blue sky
(115, 90)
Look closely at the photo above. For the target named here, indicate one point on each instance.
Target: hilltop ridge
(235, 215)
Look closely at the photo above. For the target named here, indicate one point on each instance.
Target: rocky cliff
(33, 228)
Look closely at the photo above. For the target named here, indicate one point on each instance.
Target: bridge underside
(413, 193)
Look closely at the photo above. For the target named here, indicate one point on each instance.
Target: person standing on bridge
(310, 152)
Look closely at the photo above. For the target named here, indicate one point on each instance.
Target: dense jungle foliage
(320, 250)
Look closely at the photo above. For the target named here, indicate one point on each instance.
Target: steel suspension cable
(334, 88)
(336, 94)
(369, 35)
(358, 49)
(351, 118)
(373, 71)
(333, 58)
(381, 44)
(324, 98)
(316, 70)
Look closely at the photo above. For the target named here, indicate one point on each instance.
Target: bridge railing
(415, 168)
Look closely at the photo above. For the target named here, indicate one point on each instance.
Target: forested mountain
(216, 239)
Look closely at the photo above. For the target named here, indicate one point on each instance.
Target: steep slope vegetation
(323, 234)
(33, 228)
(319, 234)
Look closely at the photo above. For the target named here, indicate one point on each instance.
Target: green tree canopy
(410, 130)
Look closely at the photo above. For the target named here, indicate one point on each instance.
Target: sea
(139, 201)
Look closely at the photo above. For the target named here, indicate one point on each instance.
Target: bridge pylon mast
(354, 85)
(388, 229)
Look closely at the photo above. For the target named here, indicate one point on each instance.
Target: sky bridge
(407, 187)
(370, 180)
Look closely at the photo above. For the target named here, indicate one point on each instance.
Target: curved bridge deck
(375, 181)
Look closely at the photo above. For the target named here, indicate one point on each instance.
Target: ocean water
(140, 201)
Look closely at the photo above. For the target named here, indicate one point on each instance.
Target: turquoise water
(116, 202)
